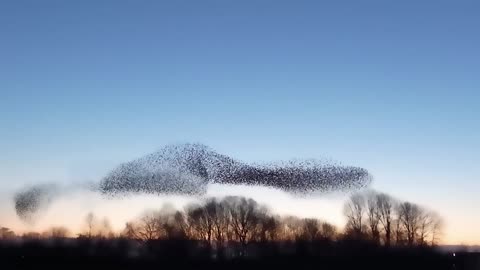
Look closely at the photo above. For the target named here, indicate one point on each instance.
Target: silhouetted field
(121, 253)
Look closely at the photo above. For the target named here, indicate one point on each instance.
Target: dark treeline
(237, 232)
(371, 216)
(380, 218)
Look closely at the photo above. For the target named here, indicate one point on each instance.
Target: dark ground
(127, 254)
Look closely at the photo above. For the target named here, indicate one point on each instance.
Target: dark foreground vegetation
(122, 253)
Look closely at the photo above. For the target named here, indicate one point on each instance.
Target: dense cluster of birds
(189, 168)
(29, 202)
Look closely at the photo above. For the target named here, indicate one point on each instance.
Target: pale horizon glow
(70, 209)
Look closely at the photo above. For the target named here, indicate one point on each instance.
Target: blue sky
(392, 86)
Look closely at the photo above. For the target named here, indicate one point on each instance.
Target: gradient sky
(392, 86)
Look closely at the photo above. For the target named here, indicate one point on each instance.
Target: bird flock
(188, 169)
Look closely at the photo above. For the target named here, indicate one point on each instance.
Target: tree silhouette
(6, 233)
(199, 224)
(269, 228)
(373, 215)
(90, 222)
(146, 229)
(245, 217)
(436, 228)
(328, 231)
(354, 210)
(57, 232)
(410, 217)
(385, 208)
(310, 229)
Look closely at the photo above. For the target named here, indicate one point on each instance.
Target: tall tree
(245, 217)
(385, 206)
(328, 231)
(354, 210)
(410, 216)
(437, 226)
(373, 216)
(145, 229)
(6, 233)
(200, 225)
(90, 222)
(310, 229)
(269, 228)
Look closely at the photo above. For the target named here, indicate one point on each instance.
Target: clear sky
(391, 86)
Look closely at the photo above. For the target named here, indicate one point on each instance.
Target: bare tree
(57, 232)
(310, 229)
(426, 222)
(31, 235)
(385, 206)
(216, 215)
(373, 216)
(180, 223)
(398, 231)
(245, 218)
(170, 224)
(437, 226)
(242, 220)
(354, 210)
(269, 228)
(6, 233)
(106, 229)
(290, 228)
(410, 216)
(90, 222)
(430, 228)
(328, 231)
(226, 219)
(199, 224)
(145, 229)
(130, 231)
